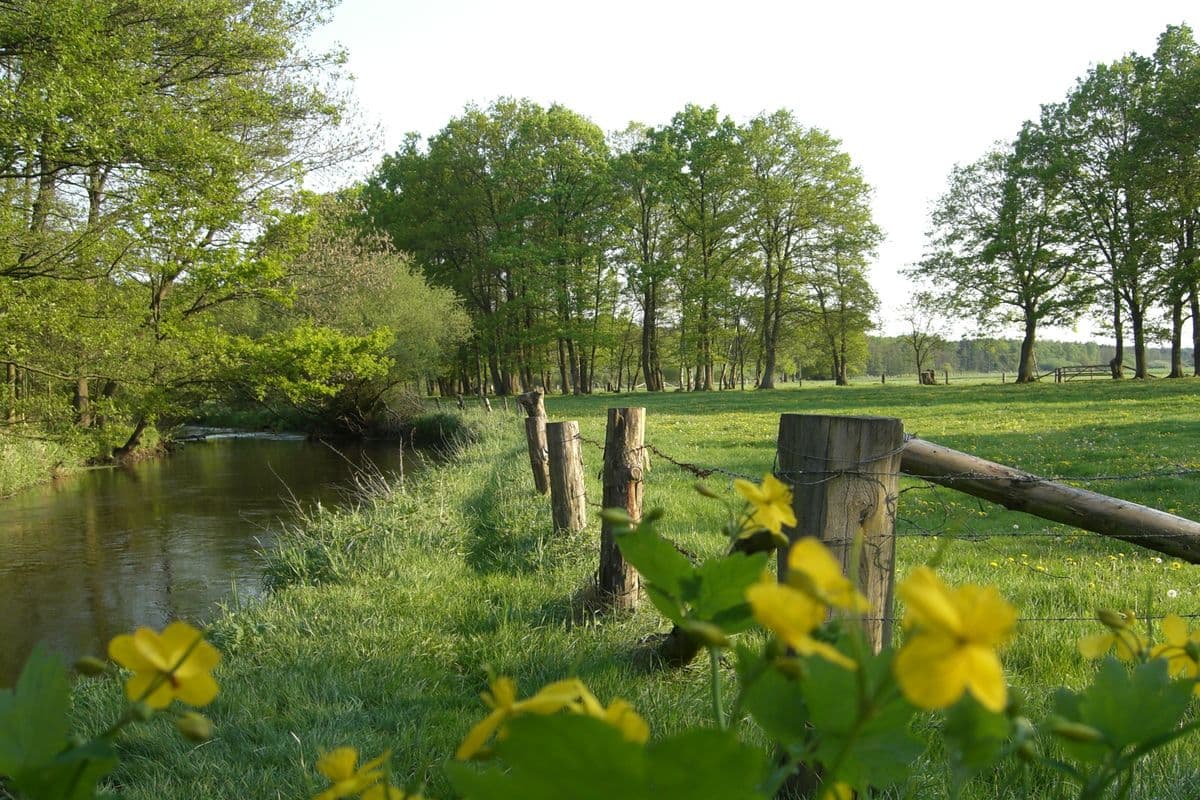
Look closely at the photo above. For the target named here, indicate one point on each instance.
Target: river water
(104, 551)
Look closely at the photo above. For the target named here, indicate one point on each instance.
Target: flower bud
(702, 488)
(1076, 731)
(653, 515)
(616, 516)
(91, 666)
(1027, 752)
(1115, 620)
(195, 727)
(706, 632)
(141, 711)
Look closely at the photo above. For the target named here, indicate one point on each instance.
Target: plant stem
(714, 660)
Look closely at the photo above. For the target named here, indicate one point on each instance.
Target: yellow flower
(1126, 642)
(569, 695)
(385, 791)
(793, 615)
(1181, 658)
(812, 569)
(952, 642)
(177, 663)
(348, 779)
(838, 791)
(771, 503)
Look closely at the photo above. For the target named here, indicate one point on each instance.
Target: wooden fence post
(458, 399)
(567, 500)
(844, 473)
(535, 437)
(620, 584)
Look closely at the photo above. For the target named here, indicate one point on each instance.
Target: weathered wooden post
(458, 399)
(619, 584)
(485, 402)
(535, 437)
(844, 474)
(883, 377)
(567, 501)
(506, 408)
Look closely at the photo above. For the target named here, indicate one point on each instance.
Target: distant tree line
(700, 250)
(1092, 208)
(894, 355)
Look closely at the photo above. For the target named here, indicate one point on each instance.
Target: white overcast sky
(911, 88)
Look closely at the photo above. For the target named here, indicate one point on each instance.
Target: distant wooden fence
(844, 473)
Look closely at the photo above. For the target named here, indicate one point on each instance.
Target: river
(106, 550)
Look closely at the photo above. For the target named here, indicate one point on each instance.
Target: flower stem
(714, 660)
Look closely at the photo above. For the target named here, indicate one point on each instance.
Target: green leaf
(974, 736)
(720, 584)
(1133, 706)
(777, 705)
(71, 776)
(569, 755)
(703, 763)
(656, 559)
(34, 719)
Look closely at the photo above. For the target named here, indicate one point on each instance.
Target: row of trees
(1092, 207)
(717, 244)
(153, 236)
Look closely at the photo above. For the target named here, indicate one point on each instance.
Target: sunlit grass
(388, 617)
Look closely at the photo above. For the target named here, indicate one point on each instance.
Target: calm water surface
(105, 551)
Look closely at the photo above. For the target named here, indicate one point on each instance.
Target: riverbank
(26, 462)
(385, 619)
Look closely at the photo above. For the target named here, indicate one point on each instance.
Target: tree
(1094, 141)
(643, 229)
(150, 142)
(707, 180)
(923, 333)
(997, 250)
(802, 191)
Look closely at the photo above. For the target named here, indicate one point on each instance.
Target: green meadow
(382, 622)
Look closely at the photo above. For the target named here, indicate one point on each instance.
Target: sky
(911, 88)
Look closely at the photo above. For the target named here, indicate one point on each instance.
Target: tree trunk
(1025, 370)
(1195, 304)
(1117, 365)
(82, 404)
(132, 442)
(1176, 337)
(1137, 318)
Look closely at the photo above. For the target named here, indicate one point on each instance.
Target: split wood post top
(844, 474)
(619, 583)
(567, 499)
(535, 438)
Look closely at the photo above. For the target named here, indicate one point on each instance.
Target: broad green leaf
(704, 763)
(777, 705)
(974, 736)
(71, 776)
(1133, 706)
(656, 559)
(720, 584)
(33, 717)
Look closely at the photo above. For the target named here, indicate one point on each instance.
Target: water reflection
(105, 551)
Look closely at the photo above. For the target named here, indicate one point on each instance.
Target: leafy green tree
(802, 192)
(998, 251)
(707, 170)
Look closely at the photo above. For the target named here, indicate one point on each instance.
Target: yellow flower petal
(478, 736)
(196, 690)
(931, 671)
(123, 651)
(1175, 630)
(622, 716)
(812, 568)
(140, 682)
(985, 677)
(928, 602)
(1095, 645)
(338, 764)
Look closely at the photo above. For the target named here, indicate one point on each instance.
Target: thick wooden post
(844, 473)
(620, 584)
(567, 501)
(486, 403)
(459, 400)
(535, 437)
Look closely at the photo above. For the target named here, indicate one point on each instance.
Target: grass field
(386, 618)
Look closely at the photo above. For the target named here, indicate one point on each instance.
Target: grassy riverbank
(384, 620)
(26, 462)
